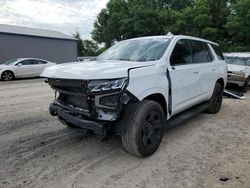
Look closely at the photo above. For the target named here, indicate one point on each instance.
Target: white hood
(232, 67)
(92, 69)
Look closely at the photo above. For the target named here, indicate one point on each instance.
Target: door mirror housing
(19, 64)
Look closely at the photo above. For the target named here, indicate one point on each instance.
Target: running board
(186, 115)
(234, 94)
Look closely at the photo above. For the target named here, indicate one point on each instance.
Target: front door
(25, 68)
(184, 77)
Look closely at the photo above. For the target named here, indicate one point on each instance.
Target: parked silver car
(23, 68)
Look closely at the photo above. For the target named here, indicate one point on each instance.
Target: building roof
(17, 30)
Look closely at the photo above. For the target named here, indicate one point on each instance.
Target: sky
(67, 16)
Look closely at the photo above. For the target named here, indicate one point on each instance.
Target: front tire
(7, 76)
(216, 99)
(145, 129)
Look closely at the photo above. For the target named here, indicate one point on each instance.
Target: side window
(35, 62)
(42, 62)
(26, 62)
(218, 52)
(181, 54)
(199, 52)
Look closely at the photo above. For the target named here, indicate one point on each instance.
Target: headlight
(237, 76)
(106, 85)
(240, 73)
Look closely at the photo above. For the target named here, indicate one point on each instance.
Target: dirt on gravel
(37, 151)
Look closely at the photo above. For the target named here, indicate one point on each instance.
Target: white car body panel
(242, 68)
(93, 69)
(149, 76)
(191, 84)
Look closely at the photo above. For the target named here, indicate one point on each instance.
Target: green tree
(86, 47)
(123, 19)
(238, 24)
(223, 21)
(90, 48)
(193, 20)
(80, 46)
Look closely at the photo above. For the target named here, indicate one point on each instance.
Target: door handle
(196, 72)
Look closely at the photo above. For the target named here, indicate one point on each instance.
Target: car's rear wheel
(245, 87)
(216, 99)
(145, 129)
(7, 76)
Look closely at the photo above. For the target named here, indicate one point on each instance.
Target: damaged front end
(89, 104)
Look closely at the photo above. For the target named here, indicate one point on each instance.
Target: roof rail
(170, 35)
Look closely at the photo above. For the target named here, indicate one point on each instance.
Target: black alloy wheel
(7, 76)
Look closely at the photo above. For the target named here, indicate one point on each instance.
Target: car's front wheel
(145, 129)
(7, 76)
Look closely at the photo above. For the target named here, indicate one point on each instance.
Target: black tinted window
(42, 62)
(208, 52)
(35, 62)
(181, 53)
(218, 52)
(26, 62)
(199, 52)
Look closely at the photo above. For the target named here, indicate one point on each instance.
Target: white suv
(138, 87)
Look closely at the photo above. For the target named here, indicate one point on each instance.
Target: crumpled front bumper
(77, 120)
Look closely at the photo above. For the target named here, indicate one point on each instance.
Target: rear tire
(145, 129)
(245, 87)
(7, 76)
(216, 99)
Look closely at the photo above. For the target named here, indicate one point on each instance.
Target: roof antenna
(170, 35)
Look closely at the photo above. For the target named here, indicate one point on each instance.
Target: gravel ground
(37, 151)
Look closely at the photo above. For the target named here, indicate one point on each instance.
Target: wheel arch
(128, 111)
(159, 98)
(8, 71)
(221, 81)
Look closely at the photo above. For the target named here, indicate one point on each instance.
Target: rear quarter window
(218, 52)
(208, 52)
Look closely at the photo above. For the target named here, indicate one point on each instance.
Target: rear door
(39, 66)
(205, 68)
(184, 77)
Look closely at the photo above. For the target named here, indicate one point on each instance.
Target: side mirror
(19, 64)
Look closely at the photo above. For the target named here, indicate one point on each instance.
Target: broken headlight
(106, 85)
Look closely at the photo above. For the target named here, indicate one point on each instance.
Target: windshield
(137, 50)
(238, 60)
(10, 62)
